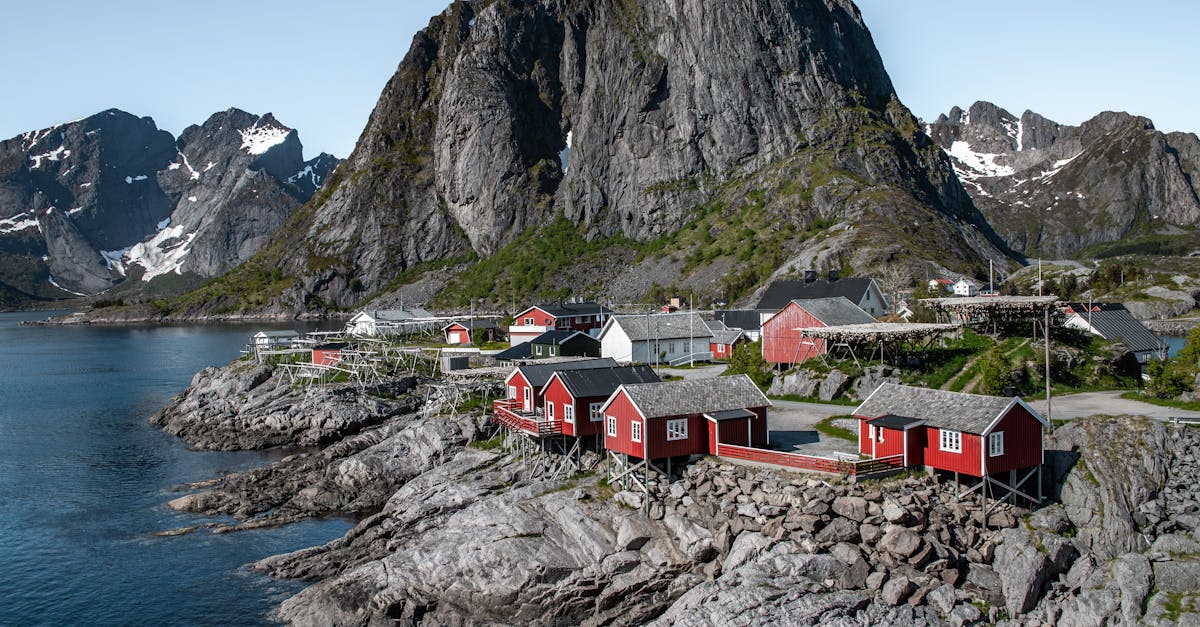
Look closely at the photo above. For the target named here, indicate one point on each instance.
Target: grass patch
(491, 444)
(1162, 402)
(812, 399)
(830, 429)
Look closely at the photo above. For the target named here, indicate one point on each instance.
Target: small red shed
(689, 417)
(783, 343)
(972, 434)
(576, 396)
(460, 331)
(328, 354)
(724, 340)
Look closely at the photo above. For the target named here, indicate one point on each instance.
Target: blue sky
(320, 66)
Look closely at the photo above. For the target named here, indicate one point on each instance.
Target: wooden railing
(809, 462)
(508, 413)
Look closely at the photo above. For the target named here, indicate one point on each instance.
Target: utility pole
(1047, 330)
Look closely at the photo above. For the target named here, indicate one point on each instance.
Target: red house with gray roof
(576, 396)
(782, 341)
(678, 418)
(971, 434)
(536, 320)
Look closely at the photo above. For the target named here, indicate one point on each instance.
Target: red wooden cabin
(783, 342)
(538, 319)
(965, 433)
(576, 396)
(723, 342)
(678, 418)
(524, 403)
(328, 354)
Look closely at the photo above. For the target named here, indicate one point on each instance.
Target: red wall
(864, 443)
(916, 446)
(966, 462)
(1022, 442)
(759, 428)
(326, 357)
(781, 341)
(695, 444)
(733, 432)
(623, 410)
(519, 381)
(576, 323)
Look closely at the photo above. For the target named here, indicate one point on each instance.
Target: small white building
(383, 322)
(965, 287)
(270, 340)
(656, 338)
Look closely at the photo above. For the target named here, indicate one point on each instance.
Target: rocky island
(456, 529)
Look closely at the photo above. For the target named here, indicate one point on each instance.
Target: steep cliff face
(625, 118)
(90, 202)
(1056, 190)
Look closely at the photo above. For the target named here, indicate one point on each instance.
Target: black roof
(331, 346)
(558, 337)
(538, 374)
(475, 323)
(596, 382)
(566, 310)
(780, 293)
(730, 414)
(520, 351)
(1118, 325)
(892, 421)
(744, 319)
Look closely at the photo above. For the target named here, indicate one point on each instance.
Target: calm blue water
(83, 479)
(1174, 344)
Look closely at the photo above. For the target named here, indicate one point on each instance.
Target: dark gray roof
(538, 374)
(696, 396)
(520, 351)
(730, 414)
(726, 336)
(476, 323)
(835, 312)
(566, 310)
(595, 382)
(663, 326)
(892, 421)
(557, 337)
(1118, 325)
(278, 333)
(744, 319)
(969, 413)
(780, 293)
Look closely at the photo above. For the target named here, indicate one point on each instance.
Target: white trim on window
(635, 430)
(594, 412)
(549, 410)
(870, 432)
(677, 429)
(879, 433)
(951, 441)
(512, 392)
(611, 426)
(569, 413)
(528, 322)
(996, 444)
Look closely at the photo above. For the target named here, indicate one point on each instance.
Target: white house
(656, 338)
(270, 340)
(389, 321)
(965, 288)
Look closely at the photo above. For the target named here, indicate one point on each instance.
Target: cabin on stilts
(991, 442)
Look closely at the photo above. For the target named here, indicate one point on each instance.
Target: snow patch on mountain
(980, 163)
(162, 254)
(258, 139)
(19, 222)
(54, 155)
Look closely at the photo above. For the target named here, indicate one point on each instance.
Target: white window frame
(871, 432)
(950, 441)
(569, 412)
(635, 430)
(550, 410)
(512, 392)
(611, 426)
(879, 434)
(528, 322)
(996, 444)
(594, 412)
(537, 350)
(677, 429)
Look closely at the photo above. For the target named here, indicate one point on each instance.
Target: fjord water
(84, 476)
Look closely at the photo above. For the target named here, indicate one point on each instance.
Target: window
(537, 350)
(549, 410)
(569, 413)
(870, 432)
(635, 431)
(879, 433)
(612, 426)
(527, 322)
(594, 411)
(996, 444)
(677, 429)
(951, 441)
(512, 392)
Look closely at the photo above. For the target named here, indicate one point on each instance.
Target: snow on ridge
(1020, 135)
(53, 155)
(981, 163)
(131, 179)
(19, 222)
(55, 284)
(306, 173)
(194, 174)
(115, 259)
(162, 254)
(258, 139)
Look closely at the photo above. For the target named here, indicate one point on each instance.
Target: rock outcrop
(630, 120)
(85, 204)
(1053, 190)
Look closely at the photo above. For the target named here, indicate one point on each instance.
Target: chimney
(834, 275)
(810, 276)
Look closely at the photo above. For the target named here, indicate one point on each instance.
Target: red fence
(505, 413)
(808, 462)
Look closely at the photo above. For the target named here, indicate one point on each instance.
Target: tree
(1189, 355)
(747, 359)
(1168, 379)
(994, 372)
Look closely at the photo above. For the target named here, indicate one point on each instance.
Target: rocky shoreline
(454, 529)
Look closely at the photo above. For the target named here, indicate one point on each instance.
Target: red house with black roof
(536, 320)
(576, 396)
(463, 331)
(971, 434)
(678, 418)
(524, 404)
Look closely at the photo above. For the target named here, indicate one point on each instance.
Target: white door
(528, 399)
